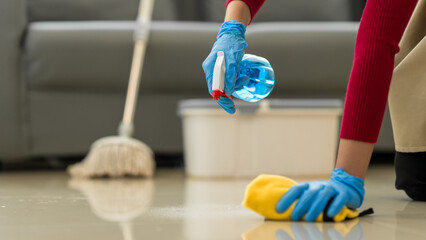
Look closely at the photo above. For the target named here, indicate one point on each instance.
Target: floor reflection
(408, 220)
(117, 200)
(213, 209)
(273, 230)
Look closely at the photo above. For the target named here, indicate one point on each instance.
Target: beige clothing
(407, 96)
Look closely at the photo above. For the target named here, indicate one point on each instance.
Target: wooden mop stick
(141, 35)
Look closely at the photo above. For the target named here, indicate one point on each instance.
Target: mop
(122, 155)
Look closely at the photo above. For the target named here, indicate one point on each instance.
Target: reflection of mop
(117, 200)
(122, 155)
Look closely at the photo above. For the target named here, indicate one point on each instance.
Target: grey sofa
(65, 65)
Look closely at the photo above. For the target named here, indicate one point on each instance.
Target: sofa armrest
(12, 27)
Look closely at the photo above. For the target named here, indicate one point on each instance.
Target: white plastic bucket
(286, 137)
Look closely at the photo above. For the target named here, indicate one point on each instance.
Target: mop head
(115, 156)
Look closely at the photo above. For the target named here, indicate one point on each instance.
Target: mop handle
(126, 228)
(141, 35)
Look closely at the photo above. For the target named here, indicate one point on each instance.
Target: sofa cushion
(67, 123)
(288, 10)
(85, 10)
(306, 57)
(96, 56)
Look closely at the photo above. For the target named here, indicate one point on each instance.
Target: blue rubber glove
(343, 189)
(336, 231)
(232, 42)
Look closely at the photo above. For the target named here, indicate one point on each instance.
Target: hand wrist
(232, 27)
(353, 184)
(340, 175)
(354, 157)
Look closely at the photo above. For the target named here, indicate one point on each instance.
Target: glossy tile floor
(49, 205)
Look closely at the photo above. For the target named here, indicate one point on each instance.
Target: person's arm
(354, 157)
(242, 10)
(239, 11)
(381, 28)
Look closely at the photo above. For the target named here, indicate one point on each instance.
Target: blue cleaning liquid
(261, 79)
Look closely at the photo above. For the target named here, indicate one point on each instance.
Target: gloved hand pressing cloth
(280, 198)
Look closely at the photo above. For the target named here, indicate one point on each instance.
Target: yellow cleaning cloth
(264, 192)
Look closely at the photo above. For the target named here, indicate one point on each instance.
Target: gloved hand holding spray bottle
(230, 72)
